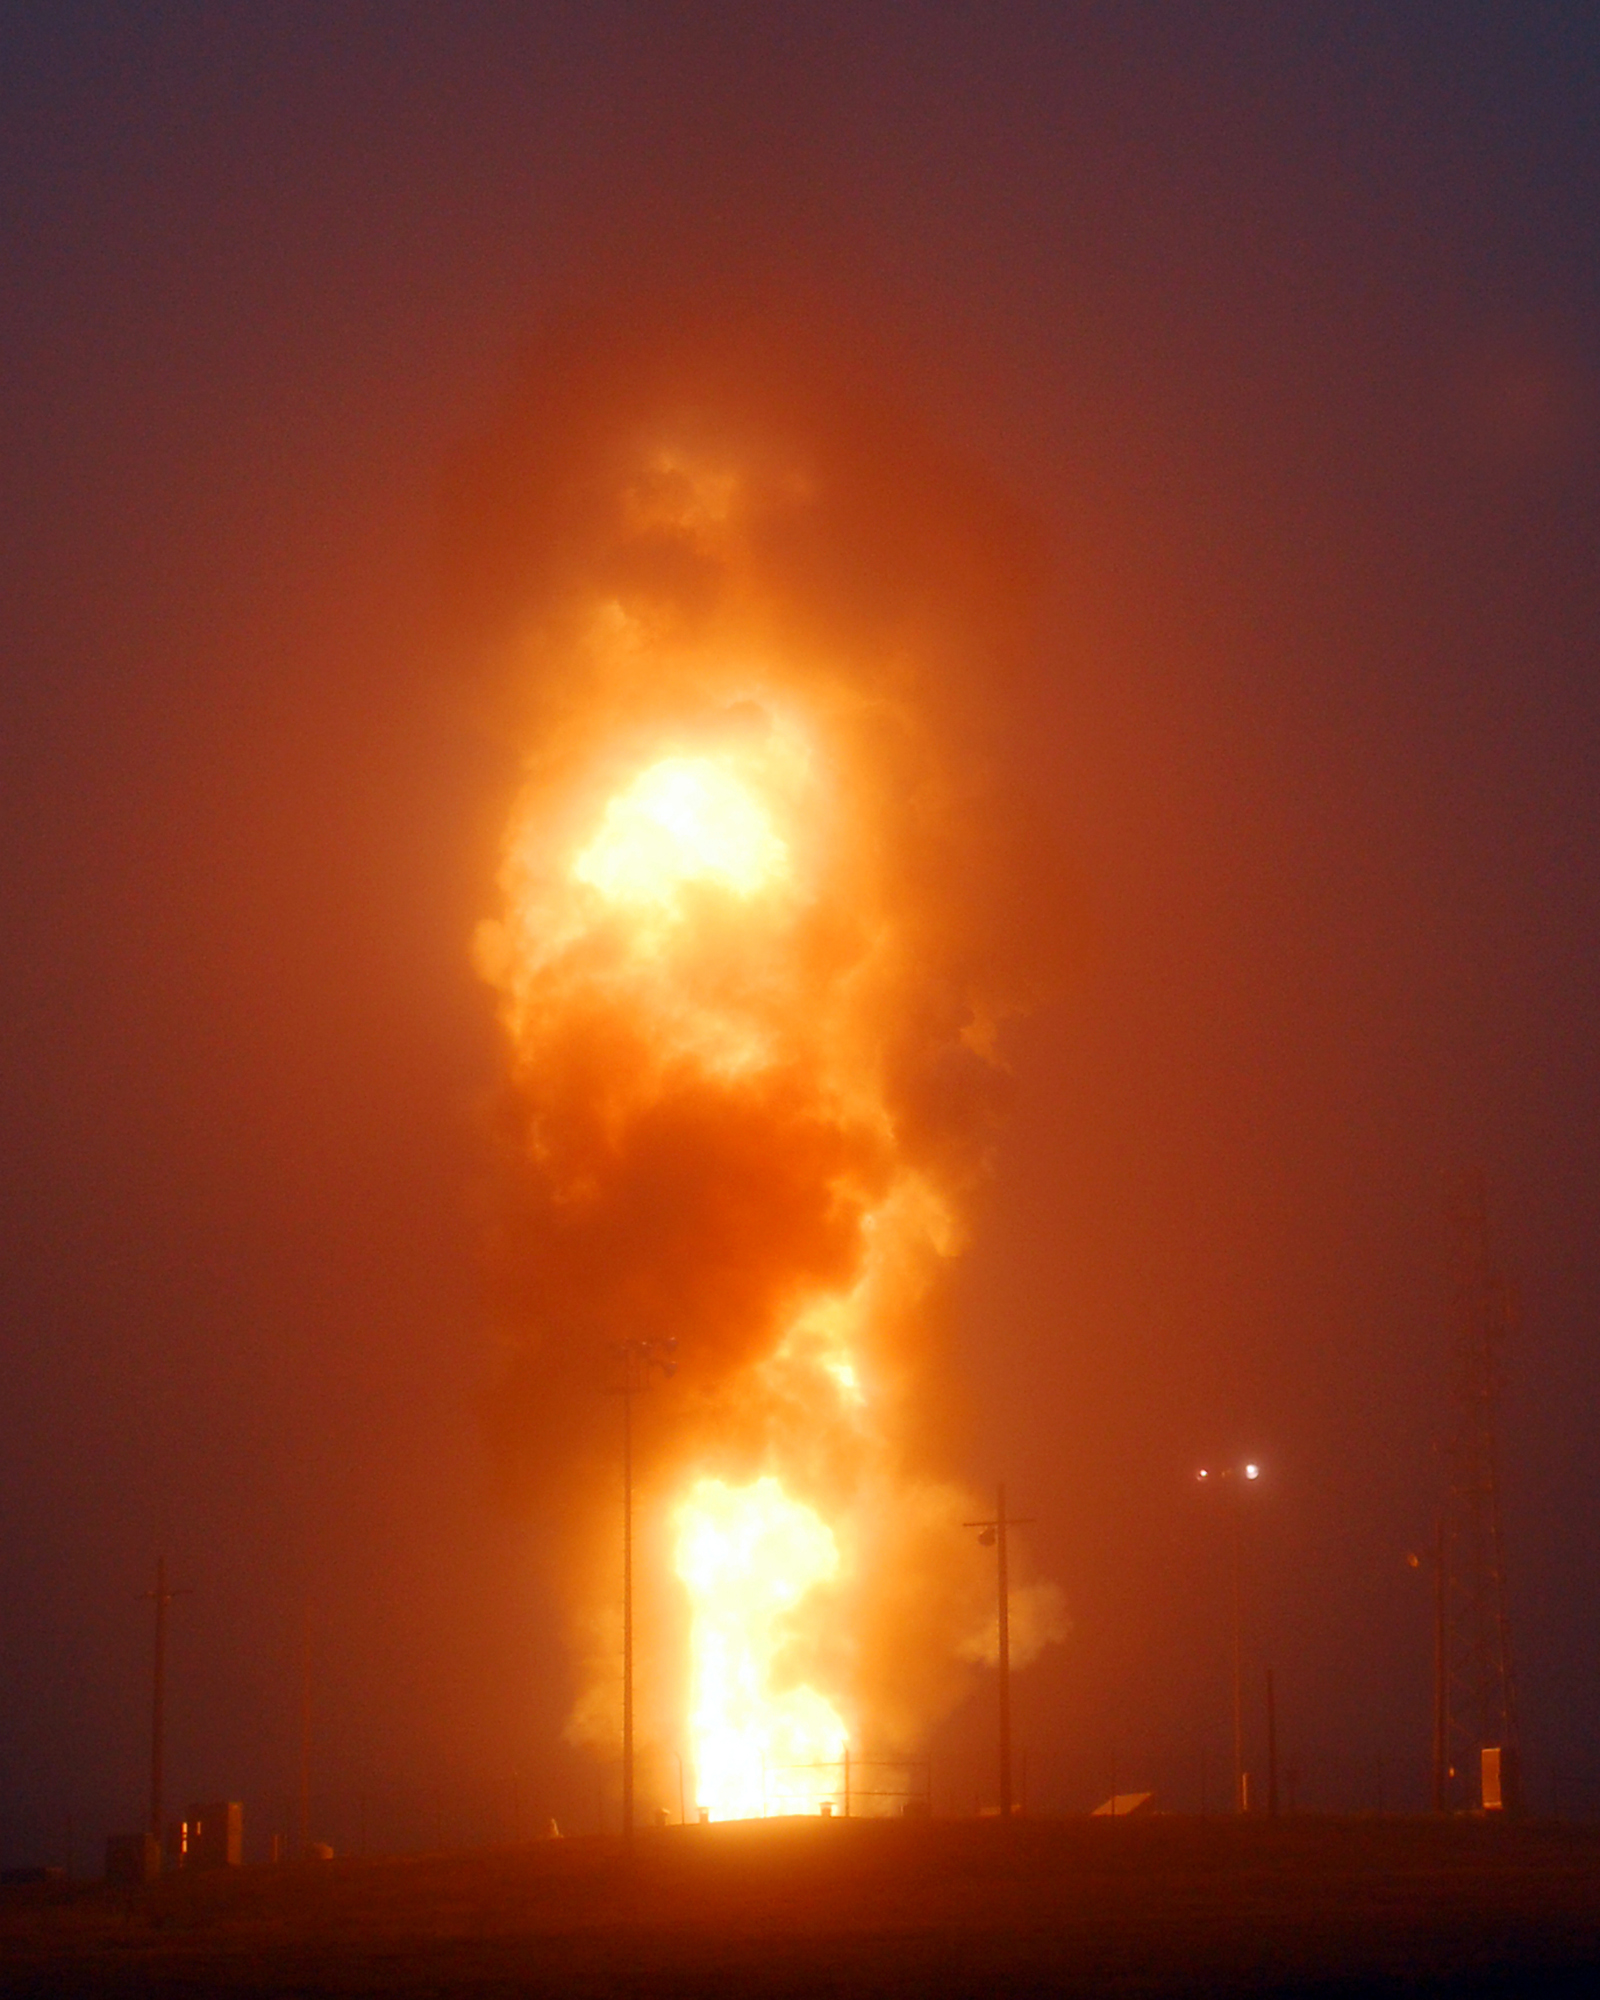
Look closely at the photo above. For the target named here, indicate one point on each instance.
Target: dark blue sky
(1284, 324)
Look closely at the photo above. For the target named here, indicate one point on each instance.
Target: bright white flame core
(749, 1556)
(683, 819)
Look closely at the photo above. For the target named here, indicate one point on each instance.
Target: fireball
(724, 986)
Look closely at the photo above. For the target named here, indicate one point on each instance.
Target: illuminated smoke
(744, 967)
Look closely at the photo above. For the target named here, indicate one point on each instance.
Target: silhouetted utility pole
(993, 1535)
(161, 1597)
(1441, 1675)
(1476, 1694)
(305, 1734)
(635, 1360)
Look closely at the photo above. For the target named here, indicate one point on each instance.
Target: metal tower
(1475, 1692)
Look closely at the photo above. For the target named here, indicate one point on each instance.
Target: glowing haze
(739, 966)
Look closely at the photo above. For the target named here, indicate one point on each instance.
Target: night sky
(1282, 328)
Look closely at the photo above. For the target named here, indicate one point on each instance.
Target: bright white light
(1252, 1472)
(686, 819)
(1204, 1474)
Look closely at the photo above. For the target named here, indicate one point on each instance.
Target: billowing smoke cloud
(751, 956)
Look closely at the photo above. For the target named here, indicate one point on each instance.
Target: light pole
(635, 1360)
(992, 1534)
(1234, 1478)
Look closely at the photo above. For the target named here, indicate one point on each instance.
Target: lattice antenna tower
(1477, 1689)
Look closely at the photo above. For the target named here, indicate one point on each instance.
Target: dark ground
(1304, 1906)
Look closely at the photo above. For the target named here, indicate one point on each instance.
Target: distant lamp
(1252, 1472)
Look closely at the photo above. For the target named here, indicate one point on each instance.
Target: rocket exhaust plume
(749, 969)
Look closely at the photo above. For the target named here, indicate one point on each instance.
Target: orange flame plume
(754, 1075)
